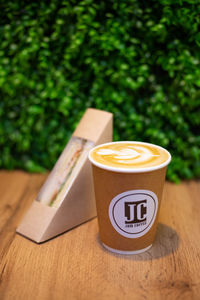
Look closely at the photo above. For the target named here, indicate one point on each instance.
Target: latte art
(124, 153)
(131, 155)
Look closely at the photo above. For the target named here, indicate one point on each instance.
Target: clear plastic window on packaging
(64, 172)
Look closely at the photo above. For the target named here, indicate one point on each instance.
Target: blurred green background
(137, 59)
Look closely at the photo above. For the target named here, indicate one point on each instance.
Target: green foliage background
(137, 59)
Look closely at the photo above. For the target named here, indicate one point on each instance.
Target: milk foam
(125, 153)
(130, 155)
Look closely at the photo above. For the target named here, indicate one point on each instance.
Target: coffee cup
(128, 181)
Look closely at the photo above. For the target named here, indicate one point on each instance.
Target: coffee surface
(130, 155)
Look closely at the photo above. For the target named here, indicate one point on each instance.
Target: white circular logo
(132, 213)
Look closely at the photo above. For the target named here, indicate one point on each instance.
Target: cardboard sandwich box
(67, 197)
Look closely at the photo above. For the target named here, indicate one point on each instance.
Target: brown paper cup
(128, 206)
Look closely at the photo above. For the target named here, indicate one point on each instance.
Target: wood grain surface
(75, 265)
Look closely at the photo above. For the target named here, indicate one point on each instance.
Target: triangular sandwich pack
(67, 197)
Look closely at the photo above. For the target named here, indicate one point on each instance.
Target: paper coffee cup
(128, 201)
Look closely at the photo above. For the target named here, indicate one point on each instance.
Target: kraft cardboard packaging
(128, 202)
(67, 197)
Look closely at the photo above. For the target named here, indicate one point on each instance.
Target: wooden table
(76, 266)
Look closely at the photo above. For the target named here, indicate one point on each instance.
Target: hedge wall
(138, 59)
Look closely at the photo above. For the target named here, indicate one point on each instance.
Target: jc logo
(135, 212)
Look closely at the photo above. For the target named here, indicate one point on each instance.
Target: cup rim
(126, 170)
